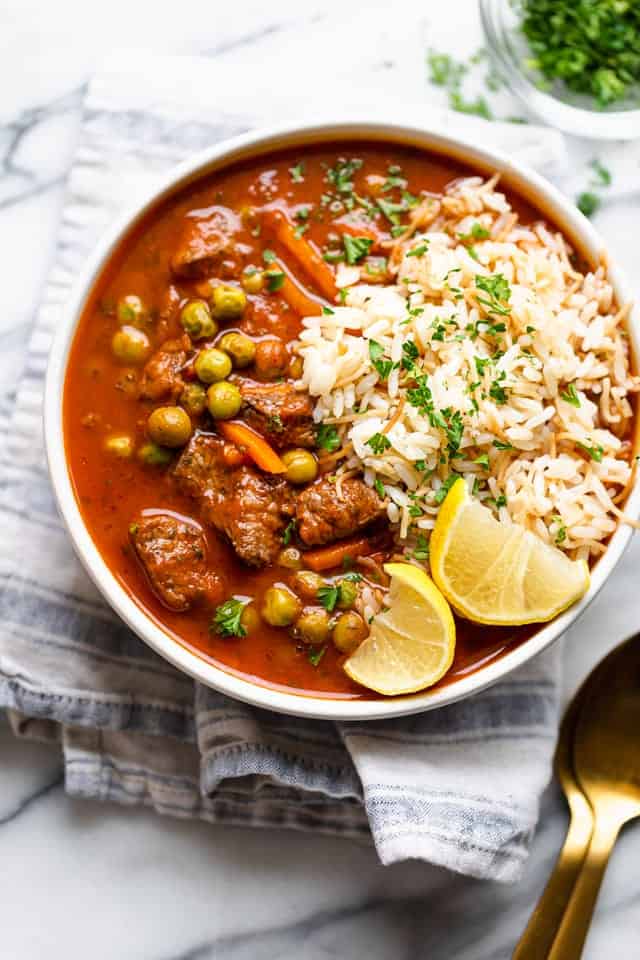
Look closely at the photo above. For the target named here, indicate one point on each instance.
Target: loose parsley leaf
(327, 437)
(588, 203)
(570, 395)
(297, 172)
(328, 597)
(356, 248)
(418, 251)
(315, 655)
(226, 620)
(289, 530)
(498, 293)
(446, 486)
(275, 280)
(383, 367)
(421, 553)
(603, 176)
(595, 451)
(379, 488)
(378, 443)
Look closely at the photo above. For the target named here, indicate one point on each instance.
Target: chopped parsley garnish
(497, 392)
(410, 354)
(315, 655)
(444, 71)
(289, 531)
(483, 461)
(327, 311)
(477, 232)
(378, 443)
(376, 353)
(275, 280)
(328, 597)
(498, 293)
(561, 530)
(497, 502)
(327, 437)
(421, 552)
(268, 256)
(481, 363)
(593, 46)
(379, 488)
(353, 577)
(418, 251)
(588, 203)
(478, 107)
(376, 266)
(356, 248)
(341, 176)
(570, 395)
(499, 445)
(226, 620)
(297, 172)
(446, 486)
(603, 176)
(595, 451)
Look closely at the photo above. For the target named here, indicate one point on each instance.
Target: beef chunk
(251, 509)
(323, 516)
(161, 376)
(279, 412)
(173, 555)
(205, 241)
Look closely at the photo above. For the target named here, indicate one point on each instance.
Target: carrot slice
(306, 254)
(325, 558)
(298, 298)
(262, 453)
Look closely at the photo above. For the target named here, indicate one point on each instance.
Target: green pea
(349, 632)
(223, 400)
(154, 456)
(253, 280)
(169, 426)
(228, 303)
(212, 365)
(348, 594)
(194, 399)
(302, 466)
(241, 349)
(131, 310)
(312, 626)
(197, 321)
(130, 345)
(280, 607)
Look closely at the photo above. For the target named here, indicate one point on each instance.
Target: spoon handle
(545, 920)
(575, 925)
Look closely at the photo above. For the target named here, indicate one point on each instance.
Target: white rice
(564, 339)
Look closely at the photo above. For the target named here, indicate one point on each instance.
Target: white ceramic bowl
(543, 195)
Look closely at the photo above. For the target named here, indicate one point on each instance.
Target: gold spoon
(606, 762)
(545, 920)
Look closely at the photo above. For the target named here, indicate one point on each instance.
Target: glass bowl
(558, 106)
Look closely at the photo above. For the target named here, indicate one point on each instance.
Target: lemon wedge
(499, 573)
(411, 644)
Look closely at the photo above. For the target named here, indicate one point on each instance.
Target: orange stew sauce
(101, 395)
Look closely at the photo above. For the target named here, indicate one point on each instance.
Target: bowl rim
(259, 142)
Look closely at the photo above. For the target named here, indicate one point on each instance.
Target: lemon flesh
(499, 573)
(411, 645)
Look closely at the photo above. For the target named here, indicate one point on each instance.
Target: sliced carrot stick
(304, 303)
(303, 251)
(262, 453)
(325, 558)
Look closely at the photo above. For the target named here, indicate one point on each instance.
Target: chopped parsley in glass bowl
(574, 63)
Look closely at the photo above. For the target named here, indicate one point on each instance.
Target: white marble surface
(85, 880)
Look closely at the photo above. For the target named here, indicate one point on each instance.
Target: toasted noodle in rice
(496, 359)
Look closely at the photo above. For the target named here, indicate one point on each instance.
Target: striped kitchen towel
(458, 787)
